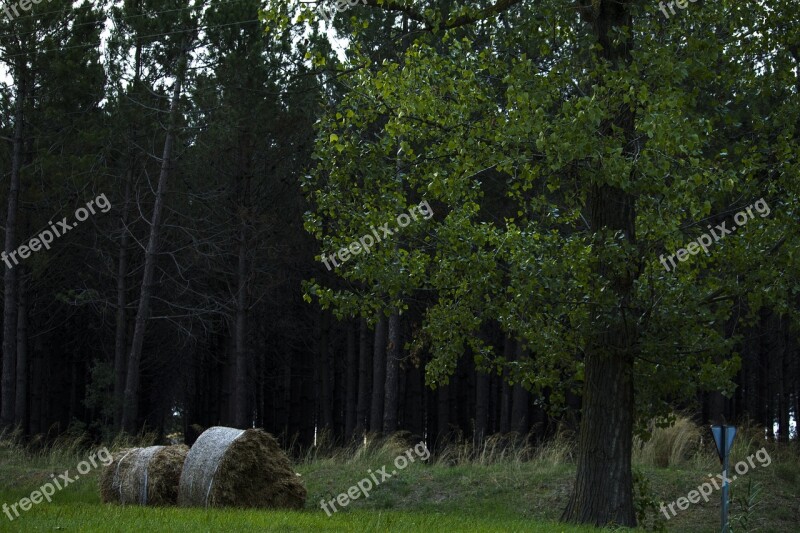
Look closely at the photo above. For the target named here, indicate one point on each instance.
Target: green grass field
(451, 494)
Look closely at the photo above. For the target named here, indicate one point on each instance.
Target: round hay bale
(144, 476)
(229, 467)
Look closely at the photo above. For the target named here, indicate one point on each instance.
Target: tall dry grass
(370, 447)
(686, 443)
(511, 448)
(678, 444)
(65, 448)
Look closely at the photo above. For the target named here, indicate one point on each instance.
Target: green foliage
(645, 503)
(743, 509)
(500, 132)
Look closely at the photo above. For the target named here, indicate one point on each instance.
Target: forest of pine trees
(237, 148)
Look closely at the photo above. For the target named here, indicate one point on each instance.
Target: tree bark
(603, 491)
(364, 375)
(443, 413)
(121, 326)
(21, 403)
(604, 484)
(481, 407)
(520, 402)
(378, 375)
(351, 379)
(130, 411)
(241, 417)
(36, 390)
(8, 398)
(505, 392)
(784, 398)
(325, 374)
(392, 376)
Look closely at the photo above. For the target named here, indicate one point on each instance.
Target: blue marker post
(723, 437)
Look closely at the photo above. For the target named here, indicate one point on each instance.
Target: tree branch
(462, 20)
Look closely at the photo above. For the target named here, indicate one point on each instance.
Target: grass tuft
(675, 445)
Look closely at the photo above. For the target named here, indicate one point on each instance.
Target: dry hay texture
(144, 476)
(229, 467)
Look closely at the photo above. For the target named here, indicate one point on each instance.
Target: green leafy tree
(562, 158)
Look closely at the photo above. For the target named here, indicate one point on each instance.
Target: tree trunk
(443, 413)
(764, 373)
(520, 402)
(604, 484)
(130, 413)
(241, 416)
(351, 381)
(364, 375)
(121, 333)
(21, 404)
(378, 375)
(7, 410)
(505, 393)
(603, 491)
(481, 407)
(121, 326)
(392, 376)
(784, 398)
(325, 373)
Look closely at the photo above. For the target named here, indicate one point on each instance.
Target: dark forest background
(225, 336)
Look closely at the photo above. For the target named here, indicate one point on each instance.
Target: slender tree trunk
(338, 392)
(364, 375)
(307, 413)
(784, 398)
(121, 326)
(481, 406)
(378, 375)
(415, 402)
(392, 376)
(505, 392)
(7, 410)
(21, 404)
(285, 406)
(130, 412)
(241, 416)
(351, 381)
(443, 412)
(520, 403)
(764, 373)
(35, 422)
(495, 385)
(72, 413)
(243, 412)
(325, 374)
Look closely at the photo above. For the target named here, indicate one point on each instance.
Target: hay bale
(144, 476)
(239, 468)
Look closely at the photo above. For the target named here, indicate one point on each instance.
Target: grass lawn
(509, 496)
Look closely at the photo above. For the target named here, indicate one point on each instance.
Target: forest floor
(510, 495)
